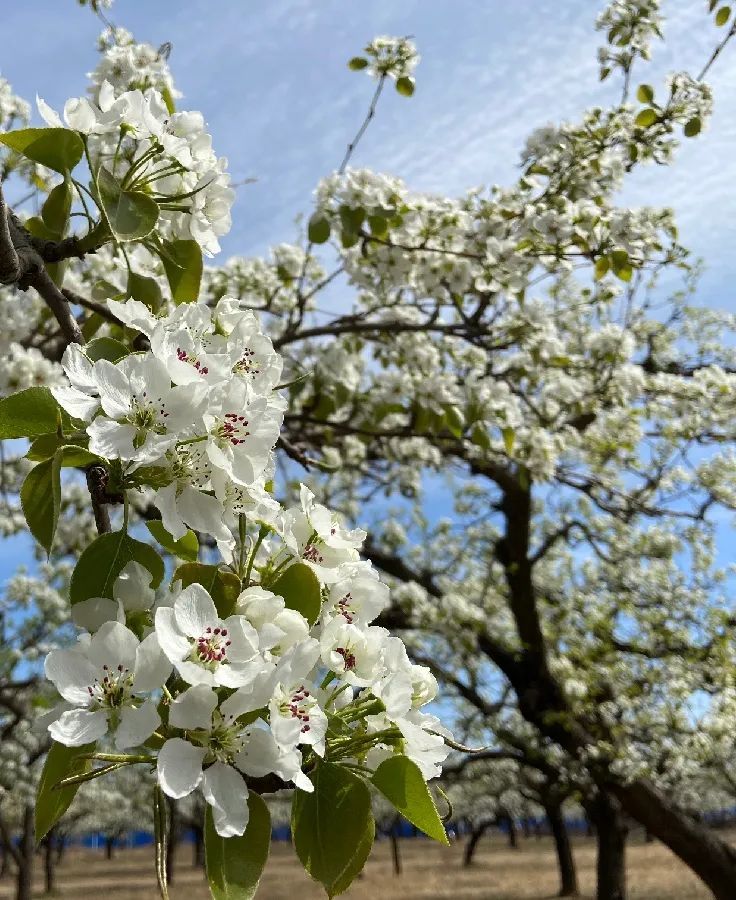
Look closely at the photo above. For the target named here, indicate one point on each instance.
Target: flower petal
(179, 767)
(152, 666)
(170, 638)
(193, 708)
(113, 645)
(137, 724)
(226, 792)
(195, 611)
(79, 726)
(72, 673)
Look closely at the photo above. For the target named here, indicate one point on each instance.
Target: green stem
(161, 835)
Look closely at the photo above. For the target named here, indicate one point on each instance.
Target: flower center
(298, 706)
(113, 690)
(211, 648)
(348, 656)
(247, 364)
(183, 356)
(345, 608)
(234, 429)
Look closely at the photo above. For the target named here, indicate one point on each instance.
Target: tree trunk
(109, 846)
(60, 849)
(711, 858)
(611, 831)
(49, 862)
(395, 852)
(472, 844)
(505, 817)
(24, 879)
(565, 859)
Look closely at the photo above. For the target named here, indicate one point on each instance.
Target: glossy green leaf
(52, 802)
(106, 348)
(104, 559)
(318, 230)
(645, 93)
(299, 587)
(183, 266)
(131, 215)
(621, 265)
(145, 290)
(333, 828)
(222, 586)
(58, 148)
(186, 548)
(509, 436)
(646, 118)
(56, 208)
(401, 782)
(602, 266)
(405, 85)
(30, 413)
(693, 127)
(75, 449)
(357, 63)
(723, 15)
(40, 499)
(235, 865)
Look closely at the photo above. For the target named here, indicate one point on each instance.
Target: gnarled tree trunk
(470, 848)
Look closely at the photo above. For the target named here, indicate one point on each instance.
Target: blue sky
(270, 78)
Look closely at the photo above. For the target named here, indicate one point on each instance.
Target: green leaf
(146, 290)
(222, 586)
(56, 208)
(693, 127)
(235, 865)
(30, 413)
(186, 548)
(131, 215)
(58, 148)
(455, 421)
(106, 348)
(299, 587)
(40, 499)
(183, 266)
(621, 265)
(52, 802)
(602, 265)
(646, 118)
(318, 230)
(509, 436)
(357, 63)
(405, 85)
(333, 828)
(645, 93)
(723, 15)
(401, 782)
(104, 559)
(44, 447)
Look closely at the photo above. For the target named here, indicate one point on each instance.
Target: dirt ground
(430, 872)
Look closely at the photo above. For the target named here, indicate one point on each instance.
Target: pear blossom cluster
(391, 56)
(630, 26)
(194, 421)
(145, 146)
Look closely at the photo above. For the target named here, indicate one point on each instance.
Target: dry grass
(430, 872)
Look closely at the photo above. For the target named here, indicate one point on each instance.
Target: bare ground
(430, 872)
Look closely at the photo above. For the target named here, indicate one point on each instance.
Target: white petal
(133, 587)
(193, 673)
(170, 638)
(195, 611)
(193, 708)
(49, 115)
(77, 404)
(72, 673)
(109, 439)
(224, 789)
(203, 512)
(179, 767)
(243, 639)
(94, 612)
(136, 725)
(152, 666)
(79, 726)
(166, 502)
(113, 645)
(114, 387)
